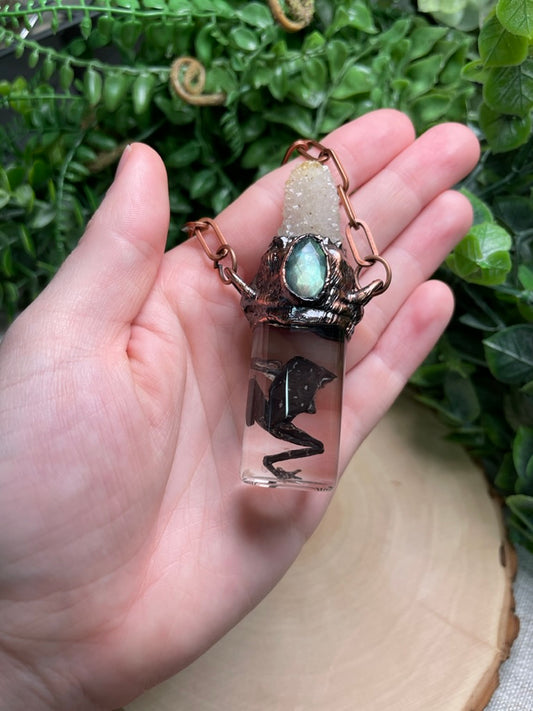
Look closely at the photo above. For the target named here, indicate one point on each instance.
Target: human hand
(128, 543)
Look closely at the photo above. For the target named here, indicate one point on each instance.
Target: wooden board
(401, 601)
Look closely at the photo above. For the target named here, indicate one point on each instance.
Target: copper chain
(229, 275)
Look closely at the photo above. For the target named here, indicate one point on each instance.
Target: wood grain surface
(401, 601)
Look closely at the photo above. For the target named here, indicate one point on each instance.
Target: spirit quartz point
(311, 203)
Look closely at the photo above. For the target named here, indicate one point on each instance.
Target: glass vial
(294, 407)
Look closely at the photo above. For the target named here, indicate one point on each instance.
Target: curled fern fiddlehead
(187, 79)
(301, 10)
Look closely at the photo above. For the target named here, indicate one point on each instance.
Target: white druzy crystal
(311, 203)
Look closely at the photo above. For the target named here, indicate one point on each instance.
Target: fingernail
(123, 160)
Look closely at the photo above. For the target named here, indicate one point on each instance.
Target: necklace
(303, 305)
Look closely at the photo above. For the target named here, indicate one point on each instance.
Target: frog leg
(308, 447)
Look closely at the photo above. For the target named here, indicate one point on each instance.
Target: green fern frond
(53, 11)
(37, 51)
(232, 132)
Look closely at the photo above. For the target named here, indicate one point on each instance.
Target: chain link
(229, 274)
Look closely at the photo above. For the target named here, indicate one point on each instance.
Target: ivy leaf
(429, 108)
(461, 397)
(423, 39)
(5, 197)
(516, 16)
(279, 82)
(39, 173)
(525, 274)
(528, 390)
(221, 198)
(27, 242)
(356, 15)
(423, 73)
(244, 38)
(15, 176)
(498, 47)
(255, 14)
(202, 183)
(6, 262)
(521, 507)
(296, 117)
(313, 42)
(24, 195)
(509, 354)
(42, 216)
(306, 96)
(254, 156)
(337, 113)
(506, 477)
(447, 6)
(516, 212)
(262, 76)
(184, 155)
(357, 80)
(475, 71)
(523, 460)
(315, 74)
(221, 78)
(481, 210)
(509, 90)
(203, 44)
(504, 133)
(518, 406)
(336, 54)
(482, 257)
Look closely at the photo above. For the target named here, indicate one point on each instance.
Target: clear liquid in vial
(293, 418)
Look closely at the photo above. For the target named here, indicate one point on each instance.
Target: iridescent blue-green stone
(306, 268)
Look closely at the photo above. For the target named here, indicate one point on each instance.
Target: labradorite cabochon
(306, 268)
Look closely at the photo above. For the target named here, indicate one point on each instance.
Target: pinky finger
(375, 382)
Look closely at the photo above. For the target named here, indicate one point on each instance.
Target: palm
(149, 546)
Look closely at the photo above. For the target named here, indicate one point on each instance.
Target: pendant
(303, 306)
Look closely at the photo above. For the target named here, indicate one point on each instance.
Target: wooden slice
(401, 601)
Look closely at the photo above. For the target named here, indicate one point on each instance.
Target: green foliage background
(465, 60)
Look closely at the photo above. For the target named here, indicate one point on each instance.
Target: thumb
(103, 283)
